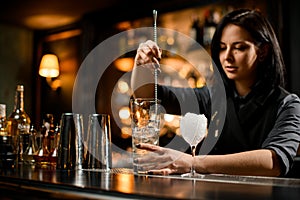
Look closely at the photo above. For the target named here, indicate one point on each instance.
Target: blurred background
(72, 29)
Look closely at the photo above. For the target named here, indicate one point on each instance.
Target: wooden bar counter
(28, 182)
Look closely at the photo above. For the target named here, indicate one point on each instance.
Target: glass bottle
(32, 148)
(208, 29)
(196, 31)
(7, 150)
(41, 156)
(18, 123)
(54, 146)
(3, 130)
(52, 138)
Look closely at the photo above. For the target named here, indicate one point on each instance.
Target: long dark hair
(272, 69)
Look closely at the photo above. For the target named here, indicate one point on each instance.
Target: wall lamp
(49, 68)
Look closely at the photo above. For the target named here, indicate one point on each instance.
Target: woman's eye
(222, 48)
(240, 48)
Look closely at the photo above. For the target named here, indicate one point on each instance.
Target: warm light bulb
(49, 66)
(123, 87)
(124, 64)
(124, 113)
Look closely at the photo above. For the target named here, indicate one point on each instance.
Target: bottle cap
(20, 88)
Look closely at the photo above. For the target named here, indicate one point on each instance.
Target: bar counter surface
(27, 182)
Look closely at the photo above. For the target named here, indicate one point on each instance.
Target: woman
(261, 133)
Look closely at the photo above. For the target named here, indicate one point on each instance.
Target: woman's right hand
(145, 62)
(148, 55)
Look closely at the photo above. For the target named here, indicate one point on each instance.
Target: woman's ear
(263, 52)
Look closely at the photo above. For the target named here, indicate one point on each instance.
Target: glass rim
(69, 113)
(145, 99)
(98, 114)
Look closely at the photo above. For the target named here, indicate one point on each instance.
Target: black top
(267, 118)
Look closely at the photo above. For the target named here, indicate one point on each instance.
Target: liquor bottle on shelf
(41, 157)
(208, 28)
(196, 31)
(52, 138)
(38, 138)
(18, 123)
(3, 128)
(54, 146)
(28, 155)
(7, 145)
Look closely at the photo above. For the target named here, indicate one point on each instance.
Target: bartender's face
(238, 54)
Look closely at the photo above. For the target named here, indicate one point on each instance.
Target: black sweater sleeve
(182, 100)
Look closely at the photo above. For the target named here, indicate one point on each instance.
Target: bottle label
(23, 127)
(2, 111)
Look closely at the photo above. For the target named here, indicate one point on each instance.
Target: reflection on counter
(122, 183)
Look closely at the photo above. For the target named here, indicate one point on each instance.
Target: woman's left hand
(164, 161)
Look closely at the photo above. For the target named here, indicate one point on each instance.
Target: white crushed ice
(193, 127)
